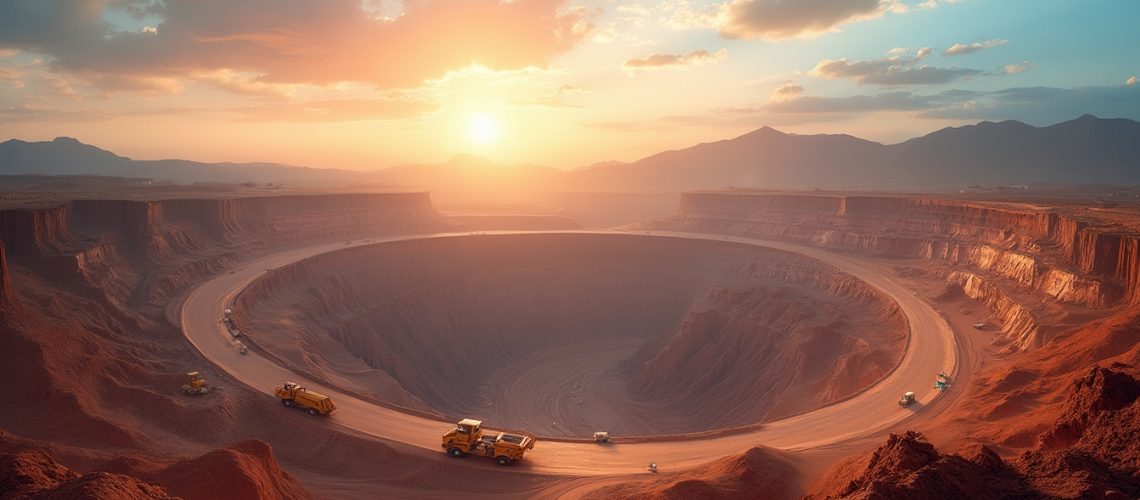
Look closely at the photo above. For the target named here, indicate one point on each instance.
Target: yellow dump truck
(467, 438)
(295, 396)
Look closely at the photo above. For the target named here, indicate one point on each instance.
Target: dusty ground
(564, 335)
(95, 364)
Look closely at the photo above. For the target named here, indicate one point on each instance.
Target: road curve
(931, 347)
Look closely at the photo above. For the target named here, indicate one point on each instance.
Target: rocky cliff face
(137, 251)
(1040, 251)
(1087, 451)
(5, 281)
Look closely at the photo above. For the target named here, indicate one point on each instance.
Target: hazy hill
(67, 156)
(761, 158)
(1087, 150)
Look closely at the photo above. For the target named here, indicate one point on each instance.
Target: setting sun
(483, 129)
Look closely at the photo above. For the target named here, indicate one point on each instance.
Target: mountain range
(1086, 150)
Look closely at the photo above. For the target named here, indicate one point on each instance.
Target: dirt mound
(908, 466)
(757, 473)
(1092, 396)
(1090, 451)
(565, 334)
(1092, 447)
(33, 474)
(247, 470)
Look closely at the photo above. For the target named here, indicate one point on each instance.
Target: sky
(367, 84)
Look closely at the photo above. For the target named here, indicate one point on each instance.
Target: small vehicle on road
(907, 399)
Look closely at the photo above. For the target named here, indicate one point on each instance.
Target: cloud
(778, 19)
(1130, 81)
(890, 101)
(11, 77)
(960, 48)
(933, 4)
(1013, 69)
(787, 91)
(295, 42)
(675, 61)
(893, 70)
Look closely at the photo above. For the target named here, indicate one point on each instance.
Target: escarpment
(139, 251)
(1056, 253)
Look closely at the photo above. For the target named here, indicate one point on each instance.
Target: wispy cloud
(968, 48)
(675, 61)
(294, 42)
(893, 70)
(777, 19)
(1013, 69)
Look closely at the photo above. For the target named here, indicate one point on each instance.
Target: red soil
(246, 470)
(1090, 451)
(757, 473)
(93, 366)
(31, 474)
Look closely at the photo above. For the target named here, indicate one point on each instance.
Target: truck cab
(467, 438)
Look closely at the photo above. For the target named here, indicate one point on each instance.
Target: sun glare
(483, 129)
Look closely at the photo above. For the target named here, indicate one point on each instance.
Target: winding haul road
(931, 348)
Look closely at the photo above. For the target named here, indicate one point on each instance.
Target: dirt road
(931, 348)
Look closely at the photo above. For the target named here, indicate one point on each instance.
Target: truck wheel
(503, 460)
(313, 412)
(287, 402)
(455, 452)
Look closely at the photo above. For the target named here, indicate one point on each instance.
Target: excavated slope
(564, 334)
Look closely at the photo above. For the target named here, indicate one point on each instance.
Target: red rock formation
(908, 466)
(105, 246)
(1072, 259)
(31, 474)
(1077, 244)
(1090, 451)
(1093, 448)
(5, 282)
(247, 470)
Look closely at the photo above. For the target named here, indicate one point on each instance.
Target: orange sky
(368, 84)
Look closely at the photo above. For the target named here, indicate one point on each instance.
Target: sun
(483, 129)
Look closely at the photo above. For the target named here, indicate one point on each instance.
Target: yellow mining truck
(467, 438)
(295, 396)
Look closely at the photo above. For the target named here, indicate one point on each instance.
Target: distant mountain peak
(66, 140)
(468, 159)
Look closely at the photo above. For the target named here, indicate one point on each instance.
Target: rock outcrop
(244, 471)
(908, 466)
(137, 251)
(1056, 253)
(32, 474)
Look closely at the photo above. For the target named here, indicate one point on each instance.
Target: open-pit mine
(748, 344)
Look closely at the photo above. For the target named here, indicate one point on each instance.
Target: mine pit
(564, 334)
